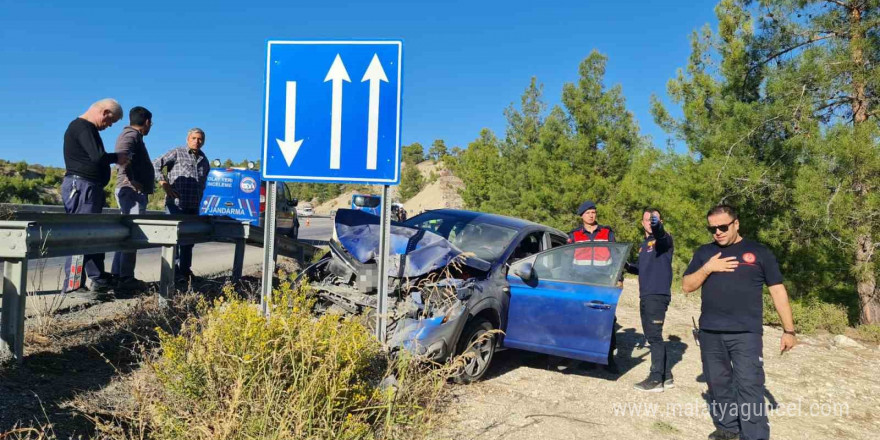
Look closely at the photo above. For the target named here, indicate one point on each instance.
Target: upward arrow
(375, 74)
(290, 147)
(337, 75)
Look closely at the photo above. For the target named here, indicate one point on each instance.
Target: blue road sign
(332, 111)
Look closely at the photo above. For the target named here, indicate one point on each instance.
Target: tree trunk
(869, 295)
(859, 99)
(866, 282)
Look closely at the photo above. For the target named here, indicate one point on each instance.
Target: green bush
(810, 315)
(230, 374)
(869, 332)
(17, 189)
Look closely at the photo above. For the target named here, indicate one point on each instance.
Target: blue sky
(202, 63)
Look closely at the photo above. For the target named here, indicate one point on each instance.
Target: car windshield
(485, 240)
(366, 201)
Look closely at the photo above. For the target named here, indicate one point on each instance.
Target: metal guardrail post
(14, 301)
(166, 274)
(238, 259)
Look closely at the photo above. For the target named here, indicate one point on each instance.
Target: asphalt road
(46, 275)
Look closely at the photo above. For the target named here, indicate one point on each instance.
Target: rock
(843, 341)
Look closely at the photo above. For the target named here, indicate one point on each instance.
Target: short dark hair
(723, 209)
(139, 116)
(651, 210)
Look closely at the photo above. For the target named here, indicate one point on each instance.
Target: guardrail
(26, 234)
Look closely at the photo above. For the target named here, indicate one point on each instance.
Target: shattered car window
(485, 240)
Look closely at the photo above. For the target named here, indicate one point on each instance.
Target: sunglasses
(722, 228)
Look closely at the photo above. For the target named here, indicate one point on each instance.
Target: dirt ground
(526, 397)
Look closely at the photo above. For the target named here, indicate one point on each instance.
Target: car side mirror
(293, 202)
(525, 271)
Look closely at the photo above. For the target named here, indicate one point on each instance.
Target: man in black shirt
(732, 272)
(82, 190)
(655, 280)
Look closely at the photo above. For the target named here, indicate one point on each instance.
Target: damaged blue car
(470, 282)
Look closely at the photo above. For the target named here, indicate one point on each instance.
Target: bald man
(82, 190)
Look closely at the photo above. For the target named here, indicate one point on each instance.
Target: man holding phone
(732, 272)
(655, 280)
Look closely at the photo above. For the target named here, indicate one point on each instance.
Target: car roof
(495, 219)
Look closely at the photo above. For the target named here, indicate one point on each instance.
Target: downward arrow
(375, 74)
(290, 147)
(337, 75)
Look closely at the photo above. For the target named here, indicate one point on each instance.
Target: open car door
(563, 300)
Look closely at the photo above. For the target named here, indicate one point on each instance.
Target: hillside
(34, 184)
(442, 192)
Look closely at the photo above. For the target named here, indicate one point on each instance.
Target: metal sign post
(268, 248)
(332, 114)
(382, 299)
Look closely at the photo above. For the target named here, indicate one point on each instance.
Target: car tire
(478, 341)
(294, 232)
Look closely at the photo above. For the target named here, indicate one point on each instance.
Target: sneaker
(720, 434)
(650, 385)
(669, 383)
(131, 285)
(99, 287)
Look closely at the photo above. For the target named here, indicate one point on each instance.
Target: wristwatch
(789, 332)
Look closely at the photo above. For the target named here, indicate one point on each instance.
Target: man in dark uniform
(593, 258)
(655, 280)
(87, 171)
(732, 272)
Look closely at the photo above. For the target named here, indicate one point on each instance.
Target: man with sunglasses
(732, 272)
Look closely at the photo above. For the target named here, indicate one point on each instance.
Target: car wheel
(477, 344)
(294, 232)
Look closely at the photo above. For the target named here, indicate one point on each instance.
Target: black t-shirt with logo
(732, 301)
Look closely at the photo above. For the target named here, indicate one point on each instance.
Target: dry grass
(230, 374)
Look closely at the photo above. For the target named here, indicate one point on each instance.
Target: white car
(305, 210)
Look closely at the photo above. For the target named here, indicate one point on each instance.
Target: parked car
(305, 210)
(232, 192)
(457, 276)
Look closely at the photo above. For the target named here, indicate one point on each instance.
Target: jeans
(184, 252)
(130, 202)
(733, 366)
(81, 196)
(652, 309)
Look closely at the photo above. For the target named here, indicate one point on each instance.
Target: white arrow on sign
(337, 74)
(374, 75)
(290, 147)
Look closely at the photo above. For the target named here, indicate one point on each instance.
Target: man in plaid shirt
(184, 185)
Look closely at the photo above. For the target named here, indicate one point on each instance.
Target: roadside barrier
(26, 234)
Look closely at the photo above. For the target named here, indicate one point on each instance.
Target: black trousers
(733, 366)
(652, 309)
(81, 196)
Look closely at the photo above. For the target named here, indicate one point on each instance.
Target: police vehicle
(239, 193)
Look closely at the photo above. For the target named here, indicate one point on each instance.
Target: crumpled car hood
(421, 251)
